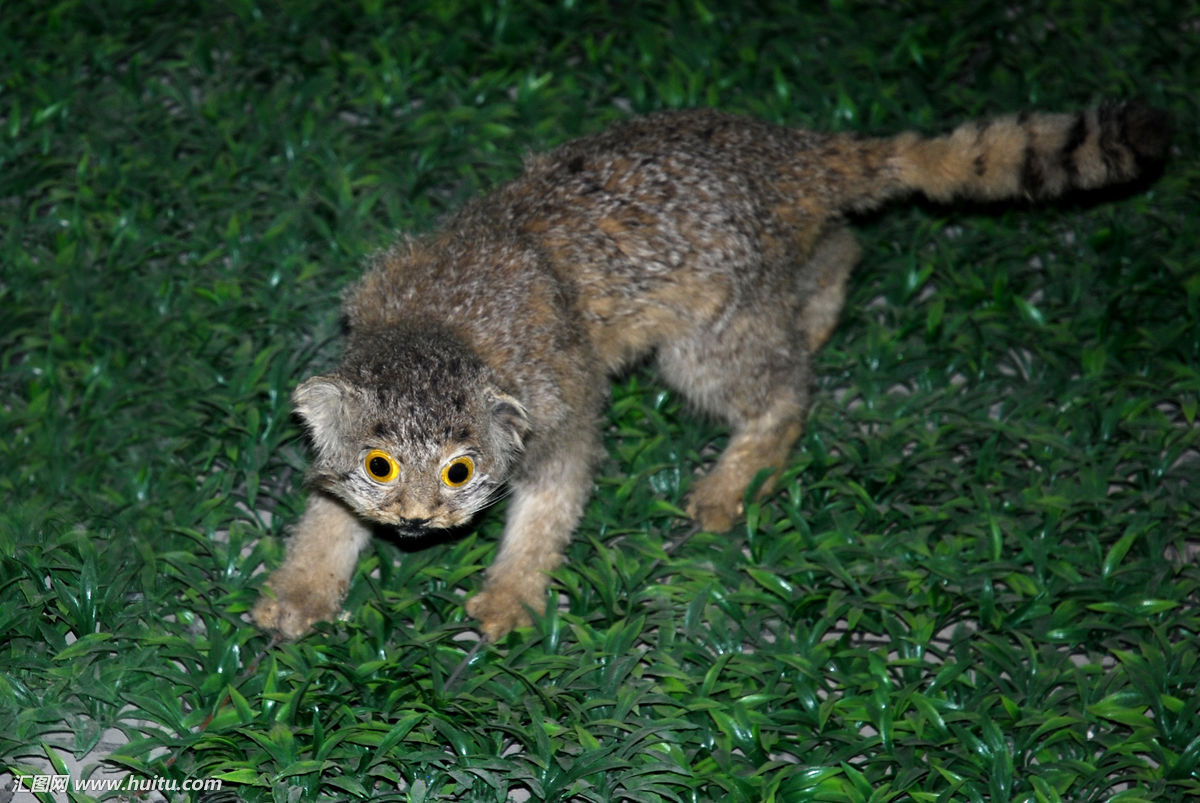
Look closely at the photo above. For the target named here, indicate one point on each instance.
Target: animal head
(410, 431)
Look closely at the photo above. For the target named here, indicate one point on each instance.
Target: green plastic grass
(979, 581)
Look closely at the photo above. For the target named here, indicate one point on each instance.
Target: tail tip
(1147, 130)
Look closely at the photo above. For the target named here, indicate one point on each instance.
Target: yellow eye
(458, 472)
(380, 466)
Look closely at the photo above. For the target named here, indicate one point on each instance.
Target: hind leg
(823, 283)
(753, 370)
(716, 500)
(754, 374)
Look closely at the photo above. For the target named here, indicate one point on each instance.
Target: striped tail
(1032, 155)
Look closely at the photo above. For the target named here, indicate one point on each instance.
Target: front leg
(313, 580)
(545, 508)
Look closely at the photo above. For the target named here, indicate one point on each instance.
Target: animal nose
(414, 524)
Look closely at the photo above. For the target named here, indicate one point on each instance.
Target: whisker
(496, 494)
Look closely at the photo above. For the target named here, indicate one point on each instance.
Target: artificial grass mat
(979, 581)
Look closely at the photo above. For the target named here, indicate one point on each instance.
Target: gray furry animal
(478, 356)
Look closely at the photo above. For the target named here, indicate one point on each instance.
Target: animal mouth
(413, 526)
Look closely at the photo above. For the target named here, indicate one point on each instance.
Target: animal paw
(715, 507)
(292, 608)
(499, 609)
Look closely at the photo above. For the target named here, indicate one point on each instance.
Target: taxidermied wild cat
(478, 356)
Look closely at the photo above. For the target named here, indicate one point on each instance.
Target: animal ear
(511, 415)
(324, 403)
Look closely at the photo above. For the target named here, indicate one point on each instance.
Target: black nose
(413, 524)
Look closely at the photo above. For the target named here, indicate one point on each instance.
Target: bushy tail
(1033, 155)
